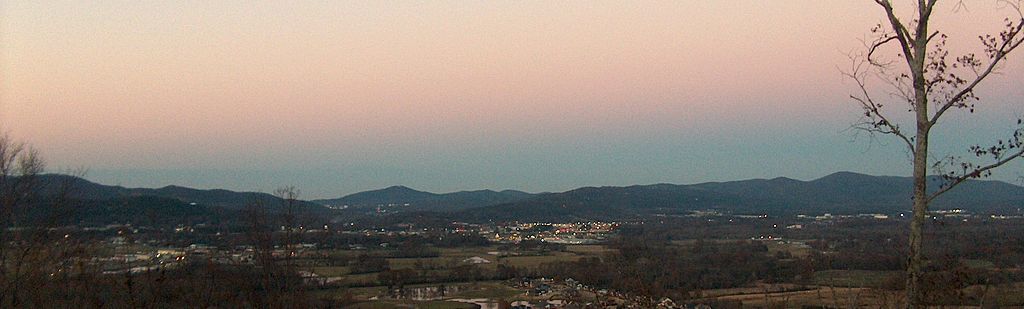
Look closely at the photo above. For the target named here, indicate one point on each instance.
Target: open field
(367, 279)
(998, 296)
(588, 249)
(367, 285)
(760, 289)
(974, 263)
(330, 271)
(430, 304)
(833, 288)
(822, 296)
(535, 261)
(442, 261)
(492, 290)
(1002, 295)
(465, 290)
(855, 278)
(792, 247)
(467, 252)
(453, 257)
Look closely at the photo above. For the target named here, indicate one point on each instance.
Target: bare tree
(278, 275)
(290, 198)
(932, 83)
(35, 256)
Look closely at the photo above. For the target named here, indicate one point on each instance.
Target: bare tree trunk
(915, 260)
(915, 296)
(934, 77)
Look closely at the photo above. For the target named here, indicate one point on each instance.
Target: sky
(336, 97)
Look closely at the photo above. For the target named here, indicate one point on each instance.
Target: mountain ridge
(422, 200)
(82, 188)
(838, 193)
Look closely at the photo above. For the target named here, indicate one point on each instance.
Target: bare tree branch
(878, 123)
(1005, 48)
(977, 172)
(876, 45)
(902, 34)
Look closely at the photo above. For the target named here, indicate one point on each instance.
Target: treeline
(661, 259)
(643, 267)
(199, 284)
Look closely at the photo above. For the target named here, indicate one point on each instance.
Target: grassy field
(760, 289)
(479, 289)
(439, 266)
(491, 290)
(595, 250)
(362, 279)
(330, 271)
(996, 296)
(795, 250)
(1002, 295)
(410, 263)
(347, 278)
(841, 288)
(455, 256)
(534, 261)
(433, 304)
(978, 263)
(855, 278)
(468, 252)
(346, 254)
(832, 297)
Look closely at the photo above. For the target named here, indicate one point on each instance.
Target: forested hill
(839, 193)
(410, 199)
(87, 190)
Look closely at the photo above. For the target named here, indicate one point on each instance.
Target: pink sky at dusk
(448, 95)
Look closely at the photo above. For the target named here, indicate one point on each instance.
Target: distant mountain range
(410, 199)
(846, 192)
(87, 190)
(838, 193)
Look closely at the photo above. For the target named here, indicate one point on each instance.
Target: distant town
(500, 265)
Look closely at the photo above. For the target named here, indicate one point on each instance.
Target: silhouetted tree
(279, 280)
(35, 256)
(927, 76)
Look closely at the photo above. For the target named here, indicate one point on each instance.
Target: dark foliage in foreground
(200, 284)
(643, 267)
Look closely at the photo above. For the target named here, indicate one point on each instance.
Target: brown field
(789, 296)
(433, 304)
(856, 278)
(821, 296)
(787, 246)
(330, 271)
(535, 261)
(454, 256)
(588, 249)
(761, 289)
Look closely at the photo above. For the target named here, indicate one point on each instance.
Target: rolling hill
(410, 199)
(838, 193)
(87, 190)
